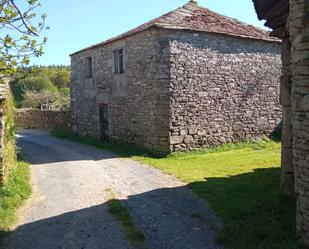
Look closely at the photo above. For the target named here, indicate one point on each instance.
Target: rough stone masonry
(289, 20)
(224, 89)
(4, 91)
(299, 36)
(191, 79)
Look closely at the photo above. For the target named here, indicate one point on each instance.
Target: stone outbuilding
(188, 79)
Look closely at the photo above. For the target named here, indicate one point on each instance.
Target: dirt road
(72, 184)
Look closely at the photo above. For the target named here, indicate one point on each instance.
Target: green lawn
(241, 184)
(13, 195)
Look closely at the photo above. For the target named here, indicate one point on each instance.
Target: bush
(65, 91)
(51, 79)
(61, 79)
(15, 185)
(38, 83)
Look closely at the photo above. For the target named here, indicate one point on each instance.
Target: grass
(125, 150)
(12, 195)
(15, 184)
(135, 236)
(241, 184)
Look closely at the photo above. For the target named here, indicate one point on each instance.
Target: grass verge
(125, 150)
(12, 195)
(241, 184)
(135, 236)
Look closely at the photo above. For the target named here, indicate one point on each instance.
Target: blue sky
(75, 24)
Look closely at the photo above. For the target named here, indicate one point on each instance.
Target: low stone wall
(42, 119)
(4, 90)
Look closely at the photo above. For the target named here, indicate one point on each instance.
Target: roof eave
(117, 38)
(274, 40)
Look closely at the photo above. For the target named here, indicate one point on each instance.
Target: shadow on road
(253, 214)
(50, 149)
(246, 212)
(93, 227)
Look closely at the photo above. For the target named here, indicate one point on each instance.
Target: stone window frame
(89, 67)
(118, 60)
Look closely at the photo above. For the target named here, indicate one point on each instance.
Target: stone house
(188, 79)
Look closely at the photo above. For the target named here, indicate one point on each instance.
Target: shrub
(61, 79)
(40, 79)
(65, 91)
(38, 84)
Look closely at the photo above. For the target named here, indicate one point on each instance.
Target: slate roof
(192, 17)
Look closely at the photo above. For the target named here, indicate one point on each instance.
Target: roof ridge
(225, 16)
(194, 17)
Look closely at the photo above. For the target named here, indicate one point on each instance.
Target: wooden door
(103, 112)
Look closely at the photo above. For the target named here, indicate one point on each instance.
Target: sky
(76, 24)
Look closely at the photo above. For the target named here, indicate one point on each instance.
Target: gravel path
(72, 183)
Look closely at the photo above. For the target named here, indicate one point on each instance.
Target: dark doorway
(103, 112)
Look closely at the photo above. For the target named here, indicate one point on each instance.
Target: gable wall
(138, 100)
(224, 89)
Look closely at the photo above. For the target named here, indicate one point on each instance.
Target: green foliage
(19, 28)
(16, 187)
(52, 82)
(12, 195)
(61, 78)
(38, 83)
(65, 91)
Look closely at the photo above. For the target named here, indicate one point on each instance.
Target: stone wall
(224, 89)
(138, 100)
(287, 168)
(299, 35)
(42, 119)
(2, 126)
(4, 109)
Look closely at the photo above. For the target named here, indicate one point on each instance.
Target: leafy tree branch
(20, 28)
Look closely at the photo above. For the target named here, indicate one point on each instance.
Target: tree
(19, 29)
(40, 79)
(34, 99)
(46, 100)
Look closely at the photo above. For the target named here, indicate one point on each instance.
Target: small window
(89, 67)
(118, 60)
